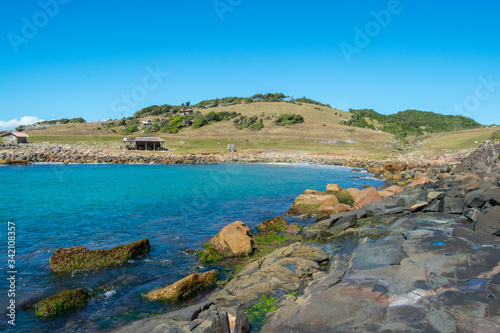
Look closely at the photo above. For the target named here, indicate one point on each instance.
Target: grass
(257, 313)
(319, 125)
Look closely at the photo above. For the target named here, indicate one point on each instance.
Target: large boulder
(366, 196)
(184, 287)
(57, 304)
(317, 203)
(233, 240)
(81, 258)
(333, 188)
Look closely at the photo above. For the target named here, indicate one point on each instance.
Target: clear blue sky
(80, 58)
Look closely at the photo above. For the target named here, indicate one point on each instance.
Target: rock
(396, 166)
(418, 206)
(475, 199)
(452, 206)
(493, 196)
(284, 270)
(184, 287)
(429, 274)
(419, 181)
(342, 223)
(352, 191)
(232, 241)
(366, 196)
(199, 318)
(292, 228)
(276, 224)
(468, 181)
(318, 204)
(472, 214)
(81, 258)
(332, 188)
(443, 176)
(341, 208)
(57, 304)
(489, 222)
(435, 195)
(394, 189)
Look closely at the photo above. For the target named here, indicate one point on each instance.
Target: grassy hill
(320, 132)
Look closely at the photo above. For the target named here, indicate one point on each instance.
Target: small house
(15, 137)
(144, 143)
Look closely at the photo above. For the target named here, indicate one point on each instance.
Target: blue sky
(107, 59)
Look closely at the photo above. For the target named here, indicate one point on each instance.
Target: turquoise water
(102, 206)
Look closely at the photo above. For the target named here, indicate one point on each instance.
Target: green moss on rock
(81, 258)
(275, 224)
(57, 304)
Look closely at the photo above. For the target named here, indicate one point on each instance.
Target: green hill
(409, 122)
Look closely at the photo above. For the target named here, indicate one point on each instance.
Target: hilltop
(275, 122)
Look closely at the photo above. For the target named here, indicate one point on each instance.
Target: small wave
(110, 293)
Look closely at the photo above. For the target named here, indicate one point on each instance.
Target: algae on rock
(81, 258)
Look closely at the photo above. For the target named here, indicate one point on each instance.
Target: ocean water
(102, 206)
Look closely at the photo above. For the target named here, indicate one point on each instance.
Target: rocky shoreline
(422, 259)
(22, 154)
(420, 254)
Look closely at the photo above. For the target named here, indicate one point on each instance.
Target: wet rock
(200, 318)
(184, 287)
(81, 258)
(60, 303)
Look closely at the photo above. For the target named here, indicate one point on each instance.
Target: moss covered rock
(275, 224)
(319, 204)
(184, 287)
(81, 258)
(67, 300)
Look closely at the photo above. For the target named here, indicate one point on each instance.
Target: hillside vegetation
(409, 122)
(280, 125)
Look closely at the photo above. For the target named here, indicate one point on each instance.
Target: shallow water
(102, 206)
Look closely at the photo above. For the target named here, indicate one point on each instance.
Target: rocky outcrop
(233, 240)
(284, 270)
(60, 303)
(200, 318)
(81, 258)
(412, 280)
(184, 287)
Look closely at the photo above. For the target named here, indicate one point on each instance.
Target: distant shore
(11, 154)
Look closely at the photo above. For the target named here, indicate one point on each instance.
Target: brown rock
(366, 196)
(353, 191)
(396, 166)
(334, 188)
(385, 193)
(184, 287)
(394, 189)
(233, 240)
(341, 208)
(419, 181)
(443, 176)
(468, 181)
